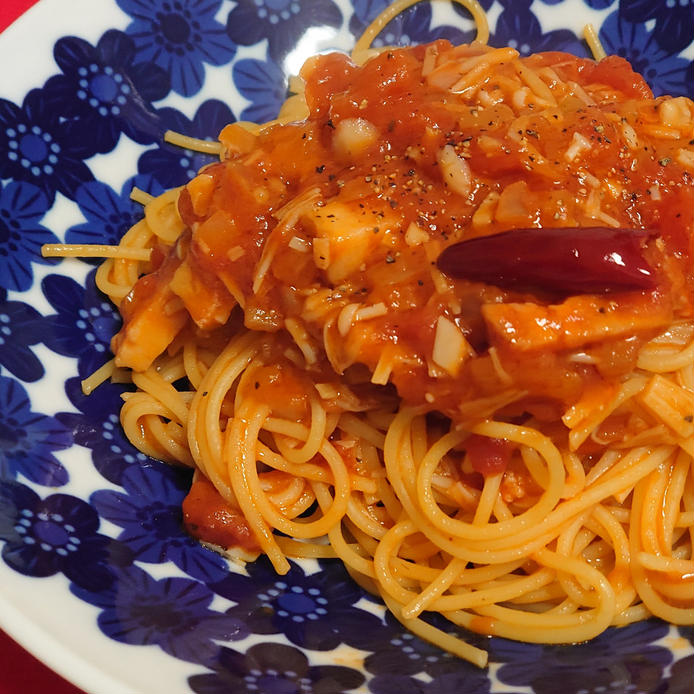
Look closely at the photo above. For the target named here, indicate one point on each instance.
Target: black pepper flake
(393, 203)
(204, 394)
(376, 230)
(256, 385)
(532, 133)
(303, 136)
(391, 126)
(330, 124)
(601, 309)
(420, 283)
(320, 169)
(688, 418)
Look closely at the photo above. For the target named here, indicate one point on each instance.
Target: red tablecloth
(20, 672)
(11, 9)
(23, 674)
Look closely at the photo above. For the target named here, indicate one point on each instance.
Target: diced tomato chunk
(209, 518)
(488, 456)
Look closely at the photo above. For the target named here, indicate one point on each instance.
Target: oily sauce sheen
(332, 227)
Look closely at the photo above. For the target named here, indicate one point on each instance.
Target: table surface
(21, 672)
(11, 9)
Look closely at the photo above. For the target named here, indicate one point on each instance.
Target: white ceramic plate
(96, 577)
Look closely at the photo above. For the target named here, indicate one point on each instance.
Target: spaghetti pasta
(517, 458)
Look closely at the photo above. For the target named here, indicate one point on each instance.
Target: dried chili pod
(567, 260)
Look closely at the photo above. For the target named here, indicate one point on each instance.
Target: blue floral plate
(97, 577)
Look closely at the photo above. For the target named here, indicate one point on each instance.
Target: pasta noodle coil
(516, 458)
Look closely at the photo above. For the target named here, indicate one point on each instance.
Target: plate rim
(65, 660)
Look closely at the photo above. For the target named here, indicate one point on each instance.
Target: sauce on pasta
(514, 455)
(365, 169)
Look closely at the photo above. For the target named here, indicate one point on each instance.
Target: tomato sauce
(356, 202)
(488, 456)
(209, 518)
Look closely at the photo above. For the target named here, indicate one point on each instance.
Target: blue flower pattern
(149, 512)
(403, 654)
(105, 91)
(264, 84)
(55, 534)
(21, 326)
(621, 660)
(40, 148)
(672, 18)
(519, 28)
(172, 613)
(412, 26)
(29, 439)
(666, 71)
(269, 668)
(22, 205)
(83, 324)
(108, 214)
(179, 36)
(316, 611)
(464, 681)
(95, 425)
(281, 22)
(116, 89)
(174, 166)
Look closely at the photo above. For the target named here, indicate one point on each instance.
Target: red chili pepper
(569, 260)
